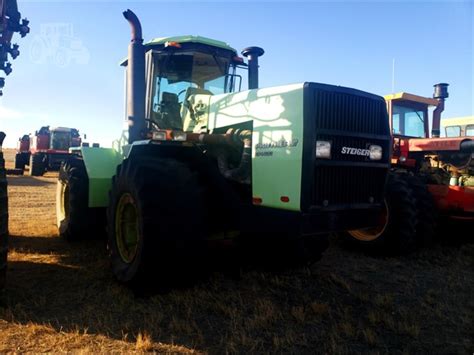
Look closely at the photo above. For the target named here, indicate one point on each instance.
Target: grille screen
(336, 185)
(353, 119)
(346, 112)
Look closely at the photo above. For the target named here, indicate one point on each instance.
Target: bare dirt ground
(61, 297)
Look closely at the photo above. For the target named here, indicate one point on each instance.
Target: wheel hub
(126, 228)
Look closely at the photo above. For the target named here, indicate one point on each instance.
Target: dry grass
(61, 297)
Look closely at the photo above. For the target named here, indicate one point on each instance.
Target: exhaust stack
(136, 86)
(252, 54)
(440, 94)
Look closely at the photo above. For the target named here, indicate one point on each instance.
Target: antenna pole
(393, 75)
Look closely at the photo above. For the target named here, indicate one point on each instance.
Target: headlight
(179, 136)
(323, 149)
(375, 152)
(159, 136)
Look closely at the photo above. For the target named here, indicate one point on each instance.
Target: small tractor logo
(56, 43)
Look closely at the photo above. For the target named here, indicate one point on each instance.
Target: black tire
(37, 165)
(20, 161)
(75, 220)
(397, 233)
(169, 220)
(426, 212)
(3, 222)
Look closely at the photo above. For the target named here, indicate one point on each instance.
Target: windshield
(60, 140)
(178, 76)
(408, 121)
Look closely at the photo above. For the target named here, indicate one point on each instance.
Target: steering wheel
(180, 93)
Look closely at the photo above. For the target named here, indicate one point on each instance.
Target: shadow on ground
(32, 181)
(345, 303)
(348, 302)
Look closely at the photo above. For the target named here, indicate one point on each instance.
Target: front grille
(348, 185)
(347, 118)
(342, 111)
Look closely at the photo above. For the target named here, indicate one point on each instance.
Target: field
(62, 297)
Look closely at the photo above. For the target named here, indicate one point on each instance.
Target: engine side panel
(276, 115)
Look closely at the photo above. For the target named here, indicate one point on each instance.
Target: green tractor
(202, 160)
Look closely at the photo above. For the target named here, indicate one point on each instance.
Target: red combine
(46, 149)
(432, 178)
(22, 156)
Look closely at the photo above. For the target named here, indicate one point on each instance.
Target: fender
(101, 164)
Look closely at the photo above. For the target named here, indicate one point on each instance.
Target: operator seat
(170, 112)
(190, 110)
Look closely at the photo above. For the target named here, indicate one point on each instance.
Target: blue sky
(347, 43)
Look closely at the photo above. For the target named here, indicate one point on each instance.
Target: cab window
(453, 131)
(470, 130)
(175, 77)
(408, 121)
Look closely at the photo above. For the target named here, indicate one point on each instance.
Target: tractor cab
(61, 138)
(24, 143)
(56, 139)
(409, 115)
(182, 73)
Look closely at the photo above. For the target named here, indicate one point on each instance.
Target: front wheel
(75, 220)
(20, 161)
(156, 220)
(396, 231)
(426, 212)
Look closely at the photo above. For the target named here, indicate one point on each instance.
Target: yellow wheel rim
(372, 233)
(126, 228)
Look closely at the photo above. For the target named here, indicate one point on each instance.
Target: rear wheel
(37, 165)
(156, 221)
(396, 232)
(75, 220)
(426, 212)
(20, 161)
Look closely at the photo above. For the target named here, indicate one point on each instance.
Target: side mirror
(85, 136)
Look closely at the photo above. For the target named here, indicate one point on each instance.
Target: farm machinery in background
(202, 160)
(10, 22)
(458, 126)
(46, 149)
(434, 176)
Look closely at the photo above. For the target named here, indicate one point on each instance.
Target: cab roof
(457, 121)
(61, 129)
(185, 39)
(404, 96)
(190, 39)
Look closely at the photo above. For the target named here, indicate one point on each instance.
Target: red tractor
(46, 149)
(432, 178)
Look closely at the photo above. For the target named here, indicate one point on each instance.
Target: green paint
(277, 143)
(101, 165)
